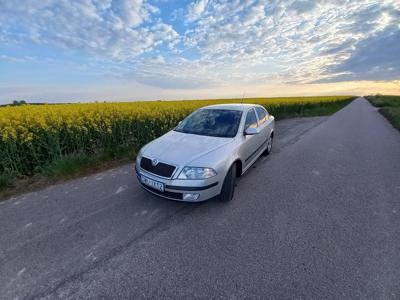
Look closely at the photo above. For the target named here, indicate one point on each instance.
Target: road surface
(319, 218)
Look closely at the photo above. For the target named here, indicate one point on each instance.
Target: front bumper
(175, 189)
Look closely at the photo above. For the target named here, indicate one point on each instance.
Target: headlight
(138, 158)
(196, 173)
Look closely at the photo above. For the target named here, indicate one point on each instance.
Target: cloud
(132, 13)
(293, 41)
(195, 10)
(177, 74)
(255, 14)
(120, 29)
(14, 59)
(303, 6)
(375, 58)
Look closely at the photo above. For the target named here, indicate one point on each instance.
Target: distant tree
(17, 103)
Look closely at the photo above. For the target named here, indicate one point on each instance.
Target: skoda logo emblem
(154, 162)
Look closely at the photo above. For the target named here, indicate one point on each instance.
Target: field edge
(388, 106)
(77, 165)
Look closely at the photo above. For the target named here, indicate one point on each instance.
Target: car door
(251, 143)
(264, 124)
(269, 122)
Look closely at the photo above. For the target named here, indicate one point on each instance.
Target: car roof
(231, 106)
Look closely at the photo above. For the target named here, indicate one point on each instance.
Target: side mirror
(251, 131)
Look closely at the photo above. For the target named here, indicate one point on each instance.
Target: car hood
(181, 148)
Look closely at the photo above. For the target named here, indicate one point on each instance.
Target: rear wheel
(228, 187)
(269, 145)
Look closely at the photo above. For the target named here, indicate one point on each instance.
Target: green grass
(312, 109)
(383, 101)
(392, 114)
(80, 163)
(68, 167)
(389, 107)
(5, 180)
(75, 164)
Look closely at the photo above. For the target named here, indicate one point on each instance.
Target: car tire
(228, 187)
(269, 145)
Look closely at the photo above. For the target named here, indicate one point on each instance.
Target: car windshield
(211, 122)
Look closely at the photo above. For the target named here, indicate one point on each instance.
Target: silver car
(201, 158)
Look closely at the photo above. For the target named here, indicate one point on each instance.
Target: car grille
(161, 169)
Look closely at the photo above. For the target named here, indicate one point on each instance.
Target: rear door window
(251, 119)
(262, 115)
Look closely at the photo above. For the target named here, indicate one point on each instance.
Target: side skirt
(254, 159)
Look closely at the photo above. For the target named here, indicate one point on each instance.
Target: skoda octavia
(201, 158)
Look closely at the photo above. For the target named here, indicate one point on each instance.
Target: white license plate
(152, 183)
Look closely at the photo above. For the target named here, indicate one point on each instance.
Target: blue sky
(118, 50)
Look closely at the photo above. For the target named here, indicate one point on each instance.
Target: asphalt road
(319, 218)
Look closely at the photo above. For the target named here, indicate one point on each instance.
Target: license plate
(152, 183)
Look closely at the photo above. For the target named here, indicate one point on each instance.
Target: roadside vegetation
(389, 107)
(54, 142)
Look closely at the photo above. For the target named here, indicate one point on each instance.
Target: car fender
(219, 160)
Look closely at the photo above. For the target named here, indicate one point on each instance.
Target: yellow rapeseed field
(32, 136)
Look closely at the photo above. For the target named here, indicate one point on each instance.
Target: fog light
(190, 196)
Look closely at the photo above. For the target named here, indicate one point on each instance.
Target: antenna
(244, 93)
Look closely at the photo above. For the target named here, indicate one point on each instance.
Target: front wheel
(228, 187)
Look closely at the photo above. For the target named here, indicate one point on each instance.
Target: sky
(122, 50)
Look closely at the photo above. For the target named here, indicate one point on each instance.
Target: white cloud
(254, 15)
(195, 10)
(132, 12)
(116, 29)
(294, 41)
(303, 6)
(21, 59)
